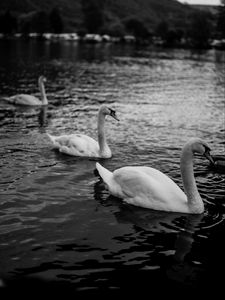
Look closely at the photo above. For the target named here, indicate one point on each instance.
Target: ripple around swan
(57, 221)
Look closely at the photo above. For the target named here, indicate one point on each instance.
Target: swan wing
(76, 144)
(24, 99)
(150, 188)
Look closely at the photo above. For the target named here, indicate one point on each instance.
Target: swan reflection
(156, 226)
(42, 116)
(179, 267)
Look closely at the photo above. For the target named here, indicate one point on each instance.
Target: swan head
(200, 147)
(105, 110)
(42, 79)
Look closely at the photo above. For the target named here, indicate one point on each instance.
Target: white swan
(150, 188)
(83, 145)
(25, 99)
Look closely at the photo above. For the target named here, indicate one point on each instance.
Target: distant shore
(97, 38)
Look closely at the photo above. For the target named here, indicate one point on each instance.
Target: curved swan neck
(195, 202)
(101, 132)
(42, 91)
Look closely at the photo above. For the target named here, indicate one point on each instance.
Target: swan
(25, 99)
(83, 145)
(219, 163)
(147, 187)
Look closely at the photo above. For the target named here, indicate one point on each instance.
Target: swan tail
(53, 139)
(105, 174)
(9, 99)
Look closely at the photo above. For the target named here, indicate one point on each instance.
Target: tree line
(196, 31)
(38, 22)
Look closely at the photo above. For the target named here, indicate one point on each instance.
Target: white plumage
(150, 188)
(30, 100)
(83, 145)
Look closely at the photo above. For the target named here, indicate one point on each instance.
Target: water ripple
(57, 221)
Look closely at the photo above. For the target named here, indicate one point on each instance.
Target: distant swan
(83, 145)
(25, 99)
(150, 188)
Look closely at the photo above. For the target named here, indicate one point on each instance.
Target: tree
(162, 30)
(200, 30)
(115, 29)
(137, 28)
(93, 12)
(169, 36)
(56, 22)
(25, 27)
(40, 23)
(25, 23)
(221, 20)
(8, 23)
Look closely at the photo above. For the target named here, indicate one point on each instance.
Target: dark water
(59, 229)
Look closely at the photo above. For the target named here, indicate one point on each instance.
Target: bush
(199, 31)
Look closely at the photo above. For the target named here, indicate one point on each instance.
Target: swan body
(83, 145)
(77, 145)
(148, 187)
(219, 163)
(26, 99)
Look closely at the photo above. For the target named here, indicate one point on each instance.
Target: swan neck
(43, 94)
(195, 202)
(101, 132)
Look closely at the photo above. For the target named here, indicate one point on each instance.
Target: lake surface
(59, 229)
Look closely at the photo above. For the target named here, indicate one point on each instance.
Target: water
(59, 228)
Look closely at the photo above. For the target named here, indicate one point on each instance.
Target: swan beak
(209, 157)
(113, 114)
